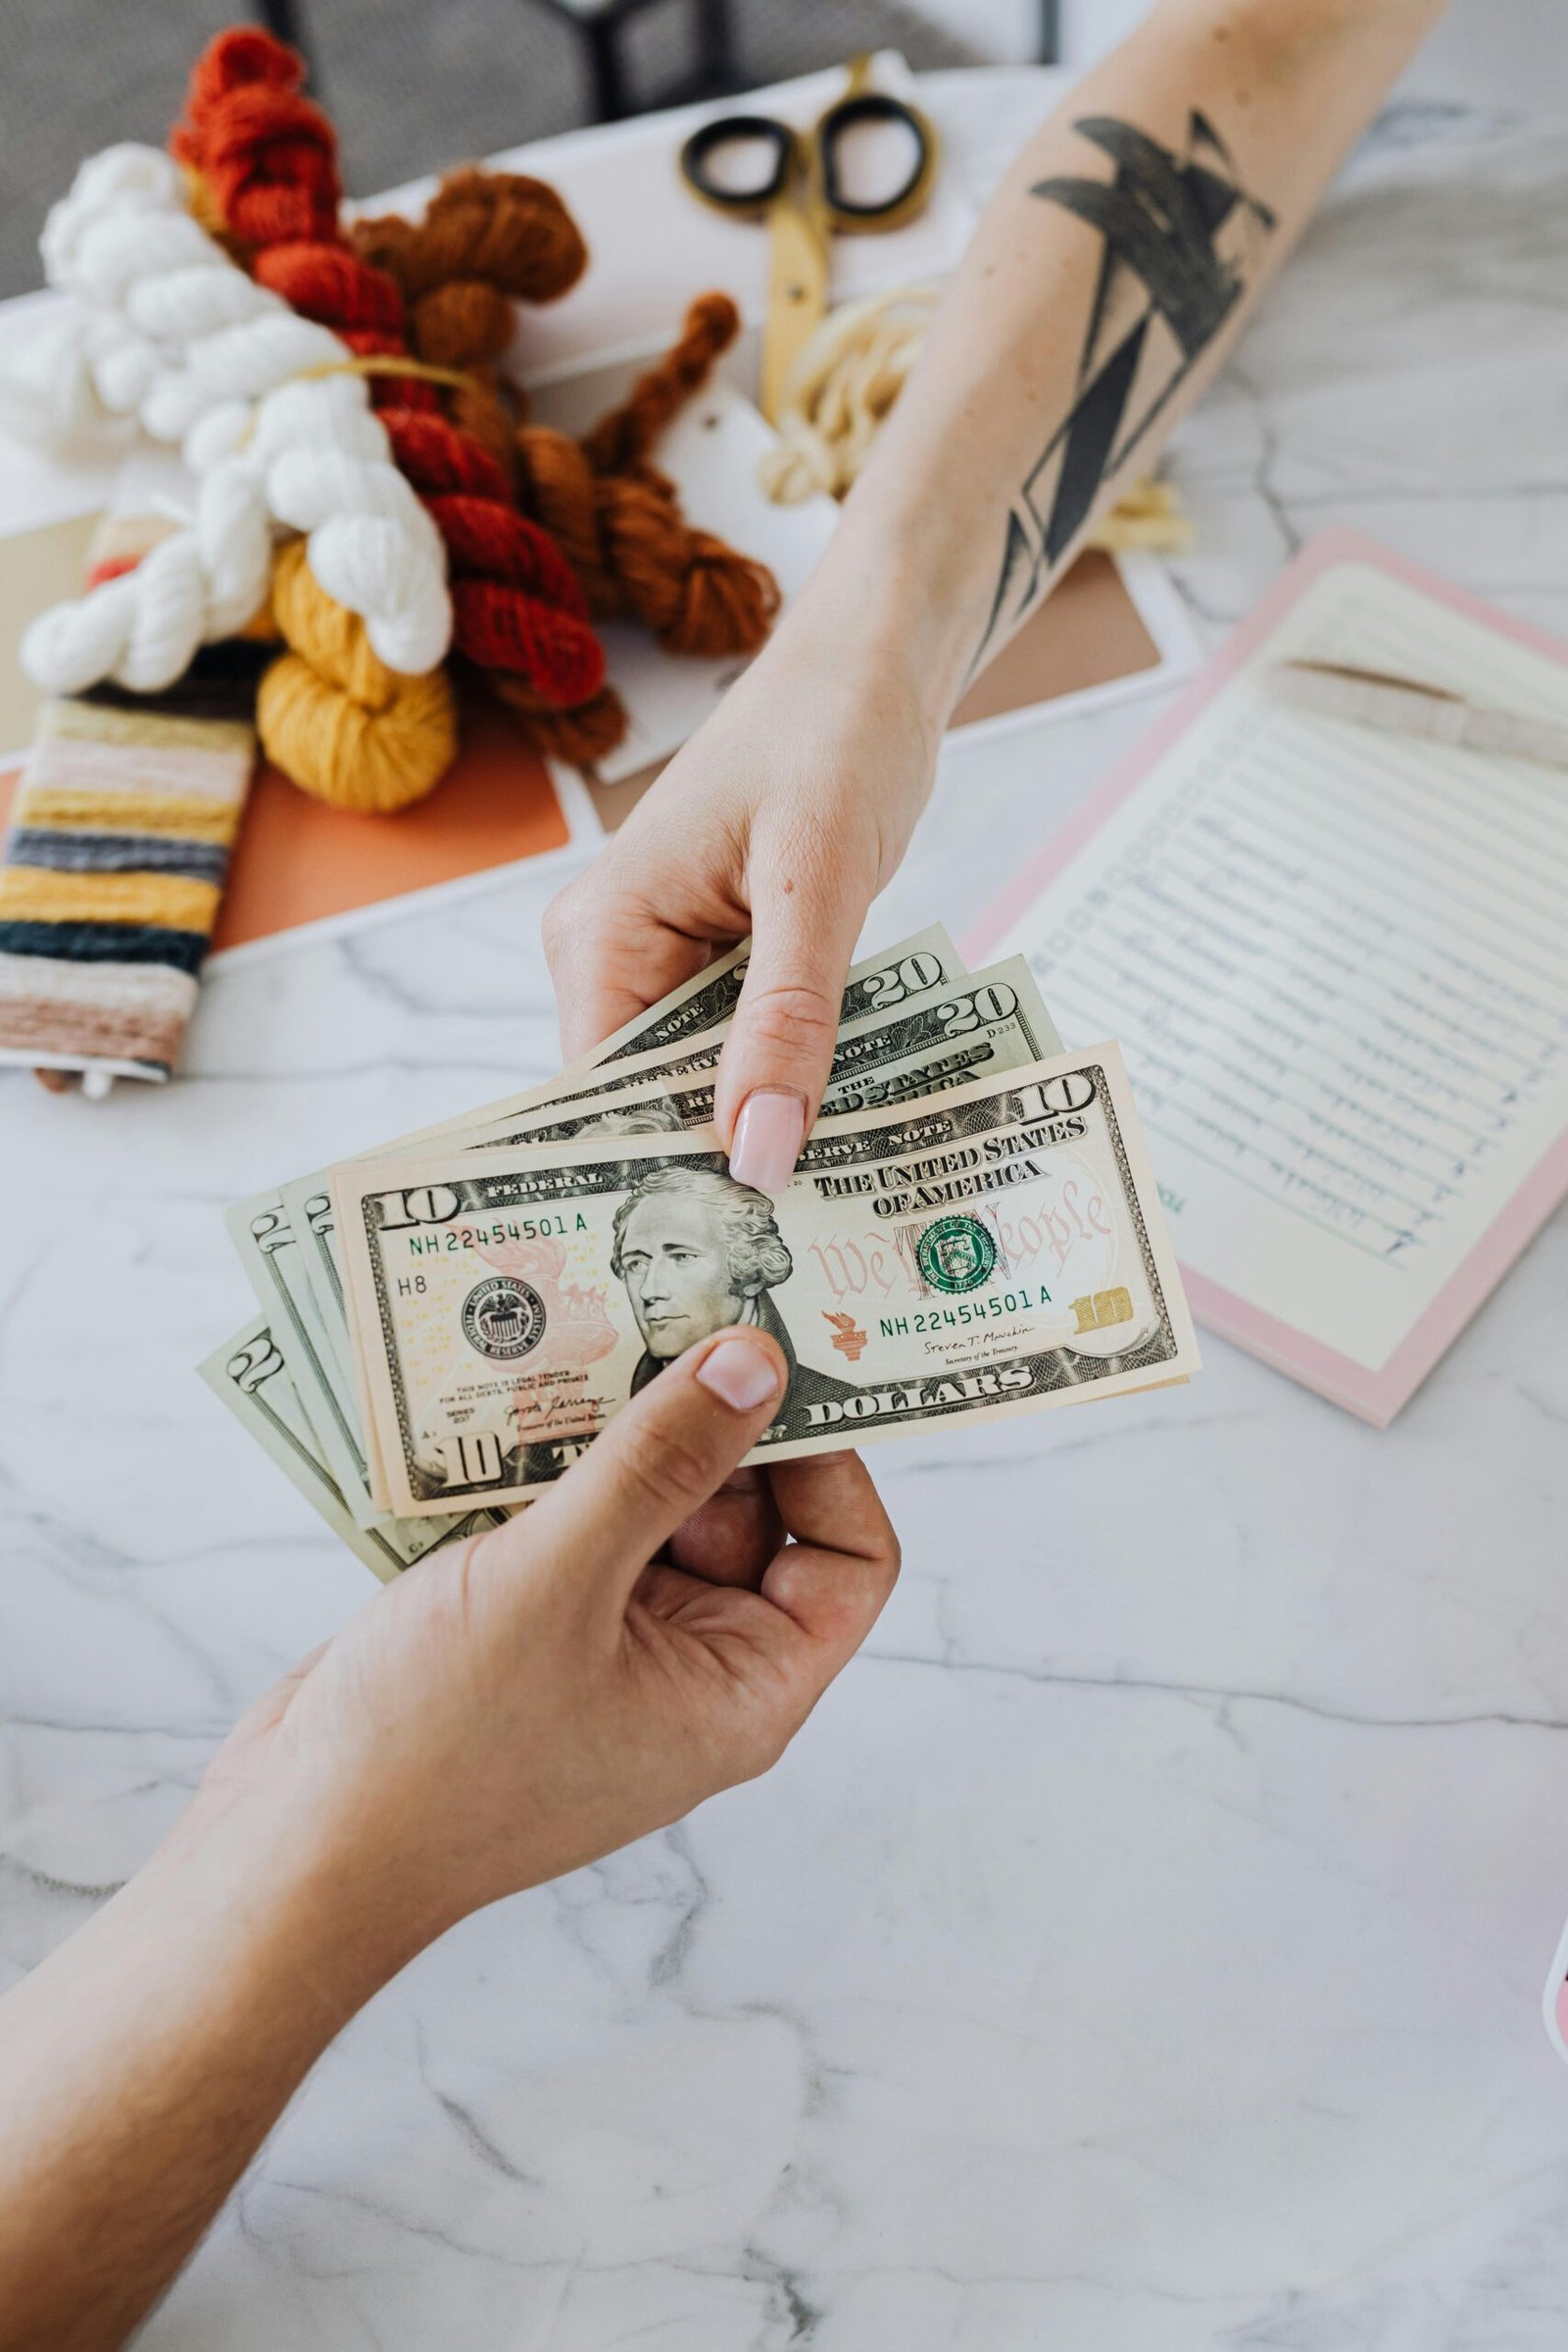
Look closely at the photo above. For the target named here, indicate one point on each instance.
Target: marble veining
(1140, 1951)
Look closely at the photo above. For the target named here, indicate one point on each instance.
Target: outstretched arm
(1102, 290)
(509, 1709)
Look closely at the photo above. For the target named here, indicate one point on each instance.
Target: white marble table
(1140, 1950)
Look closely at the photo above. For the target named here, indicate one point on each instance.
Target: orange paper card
(299, 861)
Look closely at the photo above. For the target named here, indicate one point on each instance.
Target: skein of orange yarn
(255, 142)
(265, 157)
(488, 240)
(332, 716)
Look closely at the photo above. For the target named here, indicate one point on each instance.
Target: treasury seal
(957, 1254)
(503, 1318)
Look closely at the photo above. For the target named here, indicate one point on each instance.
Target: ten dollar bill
(999, 1249)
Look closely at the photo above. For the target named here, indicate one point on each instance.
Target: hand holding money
(971, 1232)
(783, 816)
(983, 1251)
(573, 1703)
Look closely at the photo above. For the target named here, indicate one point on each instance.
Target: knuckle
(662, 1473)
(561, 924)
(794, 1015)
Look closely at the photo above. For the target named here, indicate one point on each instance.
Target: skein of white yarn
(47, 391)
(170, 330)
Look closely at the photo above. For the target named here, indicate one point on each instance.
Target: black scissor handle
(734, 130)
(849, 114)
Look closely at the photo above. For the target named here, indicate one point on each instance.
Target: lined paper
(1337, 964)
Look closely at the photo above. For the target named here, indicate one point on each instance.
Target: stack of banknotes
(972, 1231)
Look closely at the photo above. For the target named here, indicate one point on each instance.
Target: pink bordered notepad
(1554, 2002)
(1337, 961)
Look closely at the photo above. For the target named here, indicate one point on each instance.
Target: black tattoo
(1178, 231)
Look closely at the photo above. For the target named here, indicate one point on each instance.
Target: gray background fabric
(412, 86)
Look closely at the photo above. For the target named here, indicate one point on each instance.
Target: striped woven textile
(113, 871)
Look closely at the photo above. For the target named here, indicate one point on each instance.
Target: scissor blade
(797, 295)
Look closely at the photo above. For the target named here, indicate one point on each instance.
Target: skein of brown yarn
(618, 519)
(488, 240)
(623, 436)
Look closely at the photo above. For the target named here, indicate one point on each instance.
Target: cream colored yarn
(841, 387)
(845, 380)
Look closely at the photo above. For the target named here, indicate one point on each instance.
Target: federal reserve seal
(957, 1254)
(503, 1318)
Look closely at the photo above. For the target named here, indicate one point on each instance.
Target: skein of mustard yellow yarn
(335, 719)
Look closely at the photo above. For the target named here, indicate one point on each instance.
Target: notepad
(1337, 961)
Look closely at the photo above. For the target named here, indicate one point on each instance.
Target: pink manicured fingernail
(742, 1375)
(768, 1135)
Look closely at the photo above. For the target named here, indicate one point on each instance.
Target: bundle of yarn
(616, 519)
(840, 390)
(620, 520)
(114, 864)
(225, 306)
(536, 547)
(368, 489)
(843, 387)
(263, 160)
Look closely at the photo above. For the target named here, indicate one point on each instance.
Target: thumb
(655, 1463)
(777, 1055)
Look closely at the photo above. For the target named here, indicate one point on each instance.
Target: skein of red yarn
(266, 153)
(266, 159)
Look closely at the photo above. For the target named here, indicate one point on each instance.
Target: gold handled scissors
(801, 197)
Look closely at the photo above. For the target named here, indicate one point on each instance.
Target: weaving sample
(113, 871)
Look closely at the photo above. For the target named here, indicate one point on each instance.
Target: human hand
(511, 1708)
(519, 1705)
(784, 815)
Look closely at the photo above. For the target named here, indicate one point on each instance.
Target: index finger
(608, 963)
(833, 1580)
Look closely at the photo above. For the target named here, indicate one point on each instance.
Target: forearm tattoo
(1180, 237)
